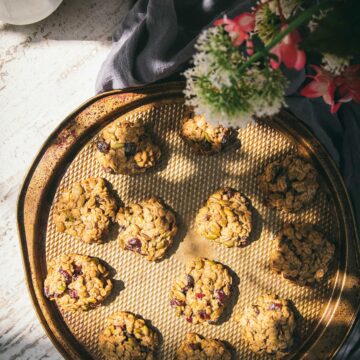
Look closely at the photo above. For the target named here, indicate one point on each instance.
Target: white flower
(218, 90)
(314, 22)
(335, 64)
(288, 7)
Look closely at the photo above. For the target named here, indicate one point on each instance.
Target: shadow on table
(77, 20)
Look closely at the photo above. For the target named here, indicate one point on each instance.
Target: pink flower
(287, 51)
(323, 84)
(349, 84)
(238, 27)
(249, 47)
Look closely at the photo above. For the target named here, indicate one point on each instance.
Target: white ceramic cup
(22, 12)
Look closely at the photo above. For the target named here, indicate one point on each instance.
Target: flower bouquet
(238, 69)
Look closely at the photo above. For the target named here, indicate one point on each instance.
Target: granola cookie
(302, 254)
(77, 282)
(289, 184)
(147, 228)
(268, 325)
(196, 347)
(86, 210)
(205, 138)
(226, 218)
(201, 294)
(128, 337)
(124, 147)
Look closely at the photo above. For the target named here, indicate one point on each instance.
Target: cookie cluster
(202, 292)
(87, 209)
(147, 228)
(204, 138)
(128, 336)
(290, 184)
(226, 218)
(125, 147)
(302, 254)
(268, 325)
(195, 347)
(77, 282)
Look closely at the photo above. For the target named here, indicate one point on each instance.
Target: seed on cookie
(202, 293)
(302, 254)
(77, 282)
(268, 325)
(196, 347)
(226, 218)
(124, 147)
(289, 184)
(147, 228)
(205, 138)
(86, 210)
(128, 337)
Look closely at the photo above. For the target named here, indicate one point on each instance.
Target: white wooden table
(46, 70)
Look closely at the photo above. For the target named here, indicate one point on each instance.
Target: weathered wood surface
(46, 70)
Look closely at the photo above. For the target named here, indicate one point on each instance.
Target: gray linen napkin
(156, 40)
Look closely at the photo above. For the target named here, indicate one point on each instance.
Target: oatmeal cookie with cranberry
(147, 228)
(268, 326)
(128, 337)
(204, 138)
(289, 184)
(77, 282)
(202, 292)
(226, 218)
(124, 147)
(86, 210)
(302, 254)
(196, 347)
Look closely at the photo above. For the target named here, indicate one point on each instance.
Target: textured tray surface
(184, 180)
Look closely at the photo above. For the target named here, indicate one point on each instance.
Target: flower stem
(305, 15)
(281, 14)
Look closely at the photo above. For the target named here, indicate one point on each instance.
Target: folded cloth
(156, 40)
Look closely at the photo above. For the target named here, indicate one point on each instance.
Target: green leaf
(338, 32)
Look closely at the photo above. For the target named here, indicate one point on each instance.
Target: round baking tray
(184, 180)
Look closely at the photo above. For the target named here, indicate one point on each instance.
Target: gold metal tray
(184, 180)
